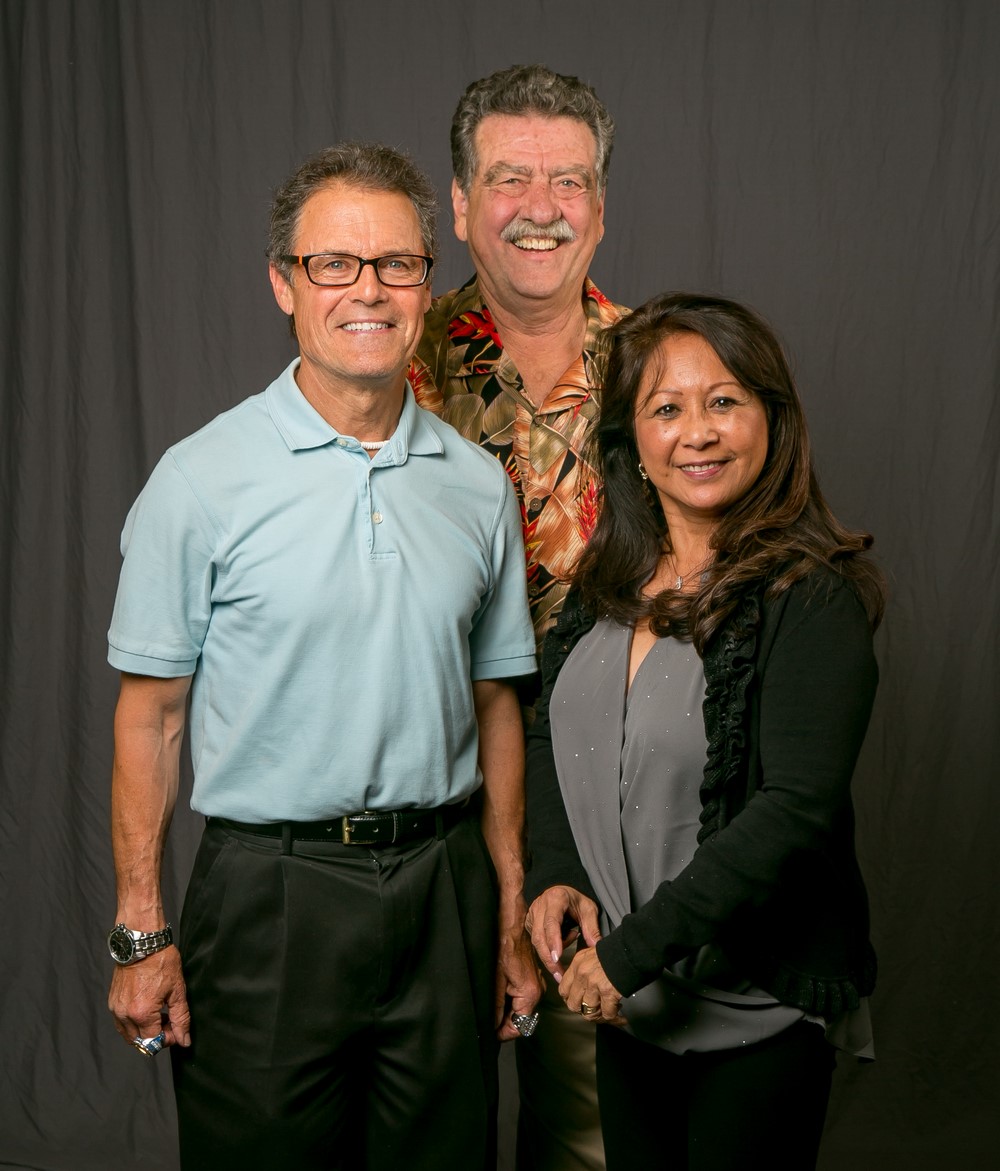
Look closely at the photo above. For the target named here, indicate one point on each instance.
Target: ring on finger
(149, 1046)
(525, 1023)
(589, 1009)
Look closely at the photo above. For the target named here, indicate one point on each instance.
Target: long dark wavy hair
(779, 532)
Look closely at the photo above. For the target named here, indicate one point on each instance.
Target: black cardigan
(789, 689)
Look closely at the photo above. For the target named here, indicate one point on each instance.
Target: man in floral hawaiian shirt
(510, 360)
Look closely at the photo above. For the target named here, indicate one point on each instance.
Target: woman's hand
(587, 990)
(544, 923)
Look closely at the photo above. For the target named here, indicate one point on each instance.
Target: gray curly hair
(528, 89)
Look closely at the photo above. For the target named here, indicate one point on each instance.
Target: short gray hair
(368, 166)
(528, 89)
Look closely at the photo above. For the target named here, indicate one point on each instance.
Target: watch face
(121, 946)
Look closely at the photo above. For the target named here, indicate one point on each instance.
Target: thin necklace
(374, 445)
(679, 583)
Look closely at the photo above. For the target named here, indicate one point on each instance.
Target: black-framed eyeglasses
(339, 269)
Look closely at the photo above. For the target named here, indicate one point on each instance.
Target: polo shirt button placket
(366, 504)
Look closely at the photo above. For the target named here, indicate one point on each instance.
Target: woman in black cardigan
(708, 864)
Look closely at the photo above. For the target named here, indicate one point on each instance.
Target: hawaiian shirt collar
(472, 319)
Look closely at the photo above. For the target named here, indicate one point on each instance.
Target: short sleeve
(164, 598)
(502, 640)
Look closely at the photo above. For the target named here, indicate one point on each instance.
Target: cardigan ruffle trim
(729, 667)
(827, 997)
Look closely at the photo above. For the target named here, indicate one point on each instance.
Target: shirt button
(376, 518)
(535, 505)
(341, 442)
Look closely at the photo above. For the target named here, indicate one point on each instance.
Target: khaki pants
(559, 1127)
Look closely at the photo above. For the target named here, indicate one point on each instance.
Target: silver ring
(149, 1046)
(525, 1023)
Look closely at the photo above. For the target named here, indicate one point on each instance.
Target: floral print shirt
(460, 372)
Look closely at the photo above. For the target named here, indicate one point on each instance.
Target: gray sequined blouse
(630, 763)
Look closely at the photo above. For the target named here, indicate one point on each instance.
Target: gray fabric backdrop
(834, 164)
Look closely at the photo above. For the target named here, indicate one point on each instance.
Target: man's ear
(460, 206)
(282, 289)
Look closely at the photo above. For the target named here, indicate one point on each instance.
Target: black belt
(370, 828)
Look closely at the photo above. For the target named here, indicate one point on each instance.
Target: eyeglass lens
(337, 268)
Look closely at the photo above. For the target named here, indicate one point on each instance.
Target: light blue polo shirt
(332, 608)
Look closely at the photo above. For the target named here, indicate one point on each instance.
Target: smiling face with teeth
(533, 214)
(701, 436)
(358, 338)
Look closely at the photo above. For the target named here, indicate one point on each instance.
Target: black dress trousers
(342, 1005)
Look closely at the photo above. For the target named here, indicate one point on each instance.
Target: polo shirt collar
(302, 427)
(415, 433)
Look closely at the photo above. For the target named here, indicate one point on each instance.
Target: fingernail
(557, 976)
(555, 957)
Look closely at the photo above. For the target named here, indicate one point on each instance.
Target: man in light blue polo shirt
(352, 939)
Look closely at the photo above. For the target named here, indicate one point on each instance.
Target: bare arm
(501, 758)
(149, 728)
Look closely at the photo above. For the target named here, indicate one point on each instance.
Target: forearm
(146, 997)
(501, 761)
(149, 728)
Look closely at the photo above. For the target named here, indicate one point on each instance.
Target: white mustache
(520, 229)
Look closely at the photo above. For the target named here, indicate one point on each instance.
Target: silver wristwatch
(128, 947)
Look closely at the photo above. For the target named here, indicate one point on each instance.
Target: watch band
(128, 947)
